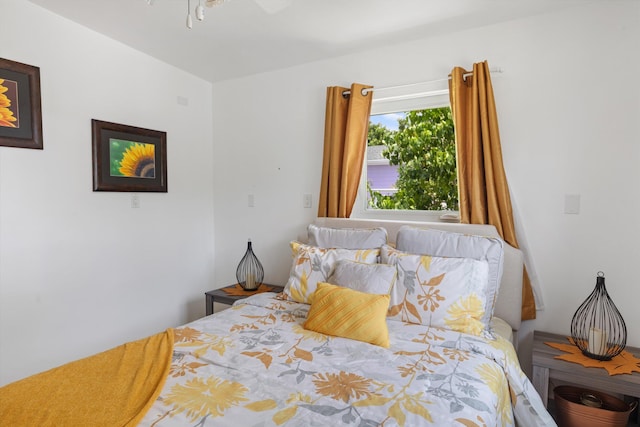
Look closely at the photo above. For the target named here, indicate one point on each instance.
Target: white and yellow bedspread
(255, 365)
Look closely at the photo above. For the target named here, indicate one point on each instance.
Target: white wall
(81, 271)
(569, 111)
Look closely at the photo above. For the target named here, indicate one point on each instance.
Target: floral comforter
(255, 365)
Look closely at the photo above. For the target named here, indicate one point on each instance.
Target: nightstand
(227, 296)
(546, 366)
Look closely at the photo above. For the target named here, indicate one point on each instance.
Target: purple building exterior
(382, 178)
(381, 175)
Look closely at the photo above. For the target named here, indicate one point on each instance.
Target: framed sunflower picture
(20, 107)
(128, 158)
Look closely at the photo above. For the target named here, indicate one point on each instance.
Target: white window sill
(405, 215)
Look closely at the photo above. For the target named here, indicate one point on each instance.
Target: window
(410, 170)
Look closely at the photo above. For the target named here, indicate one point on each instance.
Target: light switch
(572, 204)
(135, 201)
(250, 201)
(307, 201)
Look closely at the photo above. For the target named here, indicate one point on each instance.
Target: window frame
(393, 104)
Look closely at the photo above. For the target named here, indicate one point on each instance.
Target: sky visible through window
(388, 120)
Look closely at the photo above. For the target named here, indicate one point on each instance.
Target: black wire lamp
(597, 327)
(249, 272)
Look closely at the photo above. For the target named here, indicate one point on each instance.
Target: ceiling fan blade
(273, 6)
(211, 3)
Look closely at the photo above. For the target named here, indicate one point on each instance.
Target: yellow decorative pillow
(346, 313)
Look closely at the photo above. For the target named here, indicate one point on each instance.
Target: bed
(370, 331)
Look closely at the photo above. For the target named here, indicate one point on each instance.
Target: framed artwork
(20, 108)
(128, 158)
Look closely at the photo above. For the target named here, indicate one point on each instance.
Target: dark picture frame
(128, 158)
(21, 120)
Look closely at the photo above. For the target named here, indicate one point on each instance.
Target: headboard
(509, 302)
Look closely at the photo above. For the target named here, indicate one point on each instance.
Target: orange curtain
(345, 143)
(482, 183)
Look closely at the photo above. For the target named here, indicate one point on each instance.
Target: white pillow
(368, 278)
(346, 238)
(436, 291)
(312, 265)
(448, 244)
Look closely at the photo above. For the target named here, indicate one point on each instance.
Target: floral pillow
(441, 243)
(447, 293)
(312, 265)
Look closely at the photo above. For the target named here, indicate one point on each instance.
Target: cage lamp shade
(597, 327)
(249, 272)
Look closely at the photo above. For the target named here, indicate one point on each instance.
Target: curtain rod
(496, 70)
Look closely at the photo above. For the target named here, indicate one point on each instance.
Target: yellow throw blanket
(113, 388)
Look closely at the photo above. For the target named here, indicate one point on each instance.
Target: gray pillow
(368, 278)
(346, 238)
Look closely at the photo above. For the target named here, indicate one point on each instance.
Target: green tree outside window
(423, 148)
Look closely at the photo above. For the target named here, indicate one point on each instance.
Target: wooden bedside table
(219, 295)
(545, 366)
